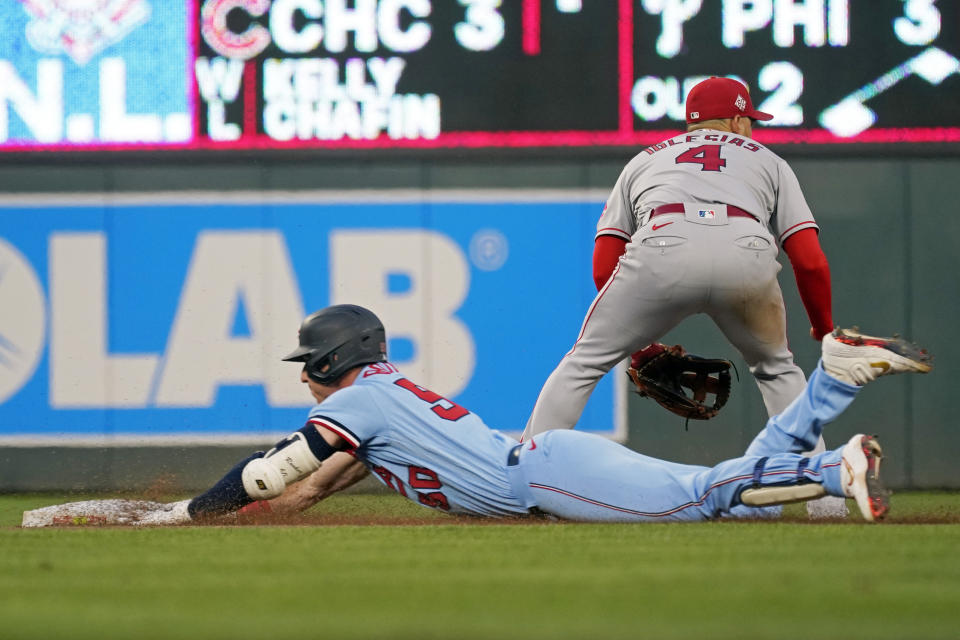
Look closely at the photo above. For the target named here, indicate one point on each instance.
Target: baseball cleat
(858, 359)
(860, 475)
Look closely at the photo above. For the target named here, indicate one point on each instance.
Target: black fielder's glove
(680, 382)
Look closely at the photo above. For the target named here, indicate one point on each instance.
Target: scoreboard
(116, 75)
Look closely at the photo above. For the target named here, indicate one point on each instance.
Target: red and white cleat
(856, 358)
(860, 475)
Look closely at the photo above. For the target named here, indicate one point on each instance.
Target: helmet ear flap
(319, 367)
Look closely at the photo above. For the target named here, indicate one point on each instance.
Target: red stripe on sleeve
(609, 230)
(343, 434)
(786, 233)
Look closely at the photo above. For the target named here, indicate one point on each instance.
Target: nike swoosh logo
(663, 224)
(533, 445)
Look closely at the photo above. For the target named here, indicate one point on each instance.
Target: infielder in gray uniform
(693, 226)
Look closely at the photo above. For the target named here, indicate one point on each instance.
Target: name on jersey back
(725, 138)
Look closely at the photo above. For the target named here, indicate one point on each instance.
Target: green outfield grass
(450, 578)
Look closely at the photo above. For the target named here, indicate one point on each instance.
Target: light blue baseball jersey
(422, 445)
(437, 453)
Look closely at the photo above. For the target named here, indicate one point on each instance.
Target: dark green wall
(890, 229)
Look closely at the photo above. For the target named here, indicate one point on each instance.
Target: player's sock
(226, 495)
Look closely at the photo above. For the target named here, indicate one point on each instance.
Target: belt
(513, 459)
(677, 207)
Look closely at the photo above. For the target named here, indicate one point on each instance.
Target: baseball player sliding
(369, 416)
(692, 226)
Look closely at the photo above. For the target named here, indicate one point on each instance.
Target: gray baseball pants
(674, 268)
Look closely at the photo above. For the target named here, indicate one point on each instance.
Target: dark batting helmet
(338, 338)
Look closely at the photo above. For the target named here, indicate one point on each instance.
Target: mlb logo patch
(707, 214)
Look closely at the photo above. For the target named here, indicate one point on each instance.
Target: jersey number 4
(706, 155)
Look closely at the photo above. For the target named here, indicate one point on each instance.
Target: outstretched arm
(339, 471)
(267, 476)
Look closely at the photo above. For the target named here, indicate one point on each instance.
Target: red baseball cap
(718, 98)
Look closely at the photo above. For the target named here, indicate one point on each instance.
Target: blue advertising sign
(158, 318)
